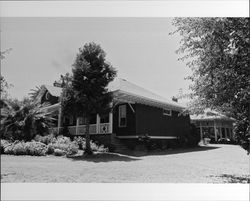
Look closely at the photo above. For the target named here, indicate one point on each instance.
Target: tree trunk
(88, 150)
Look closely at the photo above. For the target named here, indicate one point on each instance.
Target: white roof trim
(149, 136)
(126, 96)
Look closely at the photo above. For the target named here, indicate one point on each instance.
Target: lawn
(207, 164)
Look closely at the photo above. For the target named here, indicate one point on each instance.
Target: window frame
(119, 116)
(166, 113)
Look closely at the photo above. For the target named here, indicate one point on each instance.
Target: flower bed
(43, 145)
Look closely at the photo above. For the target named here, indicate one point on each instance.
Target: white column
(77, 126)
(220, 132)
(97, 123)
(111, 122)
(201, 133)
(59, 120)
(215, 132)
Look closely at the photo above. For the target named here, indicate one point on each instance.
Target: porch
(215, 129)
(102, 128)
(99, 124)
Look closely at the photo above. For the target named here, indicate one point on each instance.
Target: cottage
(213, 125)
(136, 112)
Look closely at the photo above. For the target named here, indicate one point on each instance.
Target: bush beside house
(45, 145)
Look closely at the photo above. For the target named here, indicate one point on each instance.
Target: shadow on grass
(170, 151)
(103, 157)
(228, 178)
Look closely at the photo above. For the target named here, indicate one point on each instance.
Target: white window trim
(167, 114)
(119, 117)
(47, 95)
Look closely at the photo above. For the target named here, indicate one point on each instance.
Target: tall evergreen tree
(87, 93)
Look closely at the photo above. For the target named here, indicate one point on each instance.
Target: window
(47, 96)
(167, 112)
(122, 116)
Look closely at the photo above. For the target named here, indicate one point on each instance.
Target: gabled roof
(128, 91)
(210, 115)
(54, 91)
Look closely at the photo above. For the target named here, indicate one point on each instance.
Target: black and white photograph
(125, 100)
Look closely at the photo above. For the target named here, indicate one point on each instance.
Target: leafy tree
(64, 80)
(4, 84)
(217, 51)
(22, 120)
(87, 93)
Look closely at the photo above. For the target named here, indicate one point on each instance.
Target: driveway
(207, 164)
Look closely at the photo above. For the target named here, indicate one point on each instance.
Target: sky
(141, 50)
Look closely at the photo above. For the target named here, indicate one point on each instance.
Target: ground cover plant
(47, 145)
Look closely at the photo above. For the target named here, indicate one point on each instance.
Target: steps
(120, 147)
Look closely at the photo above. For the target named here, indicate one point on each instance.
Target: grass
(208, 164)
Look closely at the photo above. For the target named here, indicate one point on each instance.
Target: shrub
(59, 152)
(64, 144)
(29, 148)
(9, 149)
(47, 139)
(100, 148)
(192, 138)
(80, 141)
(34, 148)
(19, 148)
(4, 145)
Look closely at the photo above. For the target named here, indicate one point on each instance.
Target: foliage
(64, 80)
(4, 144)
(19, 148)
(22, 120)
(98, 148)
(64, 144)
(59, 152)
(34, 92)
(217, 51)
(81, 142)
(34, 148)
(4, 85)
(47, 139)
(24, 148)
(87, 93)
(193, 137)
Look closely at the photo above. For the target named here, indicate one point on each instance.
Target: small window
(167, 112)
(122, 116)
(47, 96)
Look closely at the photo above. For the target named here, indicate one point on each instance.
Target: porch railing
(102, 128)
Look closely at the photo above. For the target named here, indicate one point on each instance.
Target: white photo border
(123, 191)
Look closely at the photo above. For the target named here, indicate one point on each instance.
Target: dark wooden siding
(130, 128)
(151, 121)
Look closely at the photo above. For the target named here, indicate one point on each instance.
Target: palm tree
(22, 121)
(34, 92)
